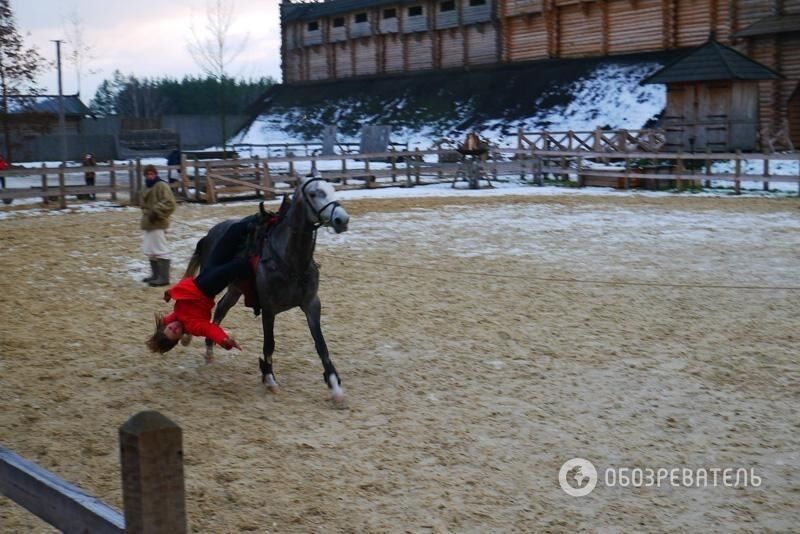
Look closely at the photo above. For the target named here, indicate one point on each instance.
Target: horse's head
(322, 208)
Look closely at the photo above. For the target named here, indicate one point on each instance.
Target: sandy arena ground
(466, 392)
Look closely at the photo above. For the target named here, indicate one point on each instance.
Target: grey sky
(147, 38)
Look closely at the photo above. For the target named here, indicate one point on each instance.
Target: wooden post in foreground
(151, 452)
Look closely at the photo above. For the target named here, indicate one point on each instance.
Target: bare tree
(213, 50)
(81, 50)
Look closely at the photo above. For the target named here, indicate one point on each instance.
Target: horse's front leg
(227, 302)
(329, 374)
(265, 363)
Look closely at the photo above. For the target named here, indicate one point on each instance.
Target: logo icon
(577, 477)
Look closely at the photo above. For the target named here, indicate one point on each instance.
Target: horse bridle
(318, 212)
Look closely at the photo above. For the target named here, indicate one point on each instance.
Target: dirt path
(466, 392)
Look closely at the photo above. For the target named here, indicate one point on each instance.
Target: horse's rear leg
(329, 374)
(227, 302)
(265, 363)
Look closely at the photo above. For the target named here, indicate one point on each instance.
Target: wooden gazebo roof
(712, 61)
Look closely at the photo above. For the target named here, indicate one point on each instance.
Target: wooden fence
(213, 180)
(151, 457)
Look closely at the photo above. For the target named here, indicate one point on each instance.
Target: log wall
(393, 40)
(512, 30)
(481, 44)
(526, 38)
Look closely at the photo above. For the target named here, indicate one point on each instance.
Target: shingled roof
(47, 104)
(771, 26)
(712, 61)
(313, 10)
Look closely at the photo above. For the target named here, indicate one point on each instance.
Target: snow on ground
(610, 96)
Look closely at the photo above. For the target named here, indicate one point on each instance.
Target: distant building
(31, 116)
(338, 39)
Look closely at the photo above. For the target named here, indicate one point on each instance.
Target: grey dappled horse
(287, 275)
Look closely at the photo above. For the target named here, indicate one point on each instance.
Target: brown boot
(152, 276)
(162, 273)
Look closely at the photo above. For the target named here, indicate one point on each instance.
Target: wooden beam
(606, 28)
(59, 503)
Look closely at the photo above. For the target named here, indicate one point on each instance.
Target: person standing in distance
(157, 203)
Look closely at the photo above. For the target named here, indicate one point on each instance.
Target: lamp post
(62, 126)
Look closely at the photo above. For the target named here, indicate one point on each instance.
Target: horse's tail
(194, 261)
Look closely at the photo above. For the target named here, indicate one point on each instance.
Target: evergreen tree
(19, 67)
(128, 96)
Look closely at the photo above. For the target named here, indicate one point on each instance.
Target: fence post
(196, 178)
(708, 167)
(62, 188)
(138, 174)
(679, 169)
(45, 198)
(151, 453)
(344, 171)
(368, 177)
(134, 200)
(627, 179)
(394, 166)
(766, 174)
(737, 184)
(417, 165)
(267, 180)
(112, 180)
(184, 177)
(257, 175)
(579, 170)
(211, 193)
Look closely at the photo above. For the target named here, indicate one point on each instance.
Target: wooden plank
(59, 503)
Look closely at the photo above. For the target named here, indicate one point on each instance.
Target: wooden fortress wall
(441, 34)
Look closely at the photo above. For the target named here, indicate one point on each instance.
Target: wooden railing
(597, 140)
(212, 180)
(151, 457)
(280, 150)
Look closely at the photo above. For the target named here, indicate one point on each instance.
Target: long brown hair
(159, 342)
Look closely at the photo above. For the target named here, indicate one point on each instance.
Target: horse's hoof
(339, 401)
(209, 358)
(271, 384)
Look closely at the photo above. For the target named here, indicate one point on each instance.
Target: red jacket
(193, 309)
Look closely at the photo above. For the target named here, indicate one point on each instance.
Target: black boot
(153, 264)
(162, 273)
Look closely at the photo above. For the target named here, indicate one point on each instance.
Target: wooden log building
(336, 39)
(712, 99)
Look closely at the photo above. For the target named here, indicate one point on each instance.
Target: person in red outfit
(194, 300)
(3, 167)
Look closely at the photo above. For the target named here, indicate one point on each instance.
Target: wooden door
(713, 104)
(679, 117)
